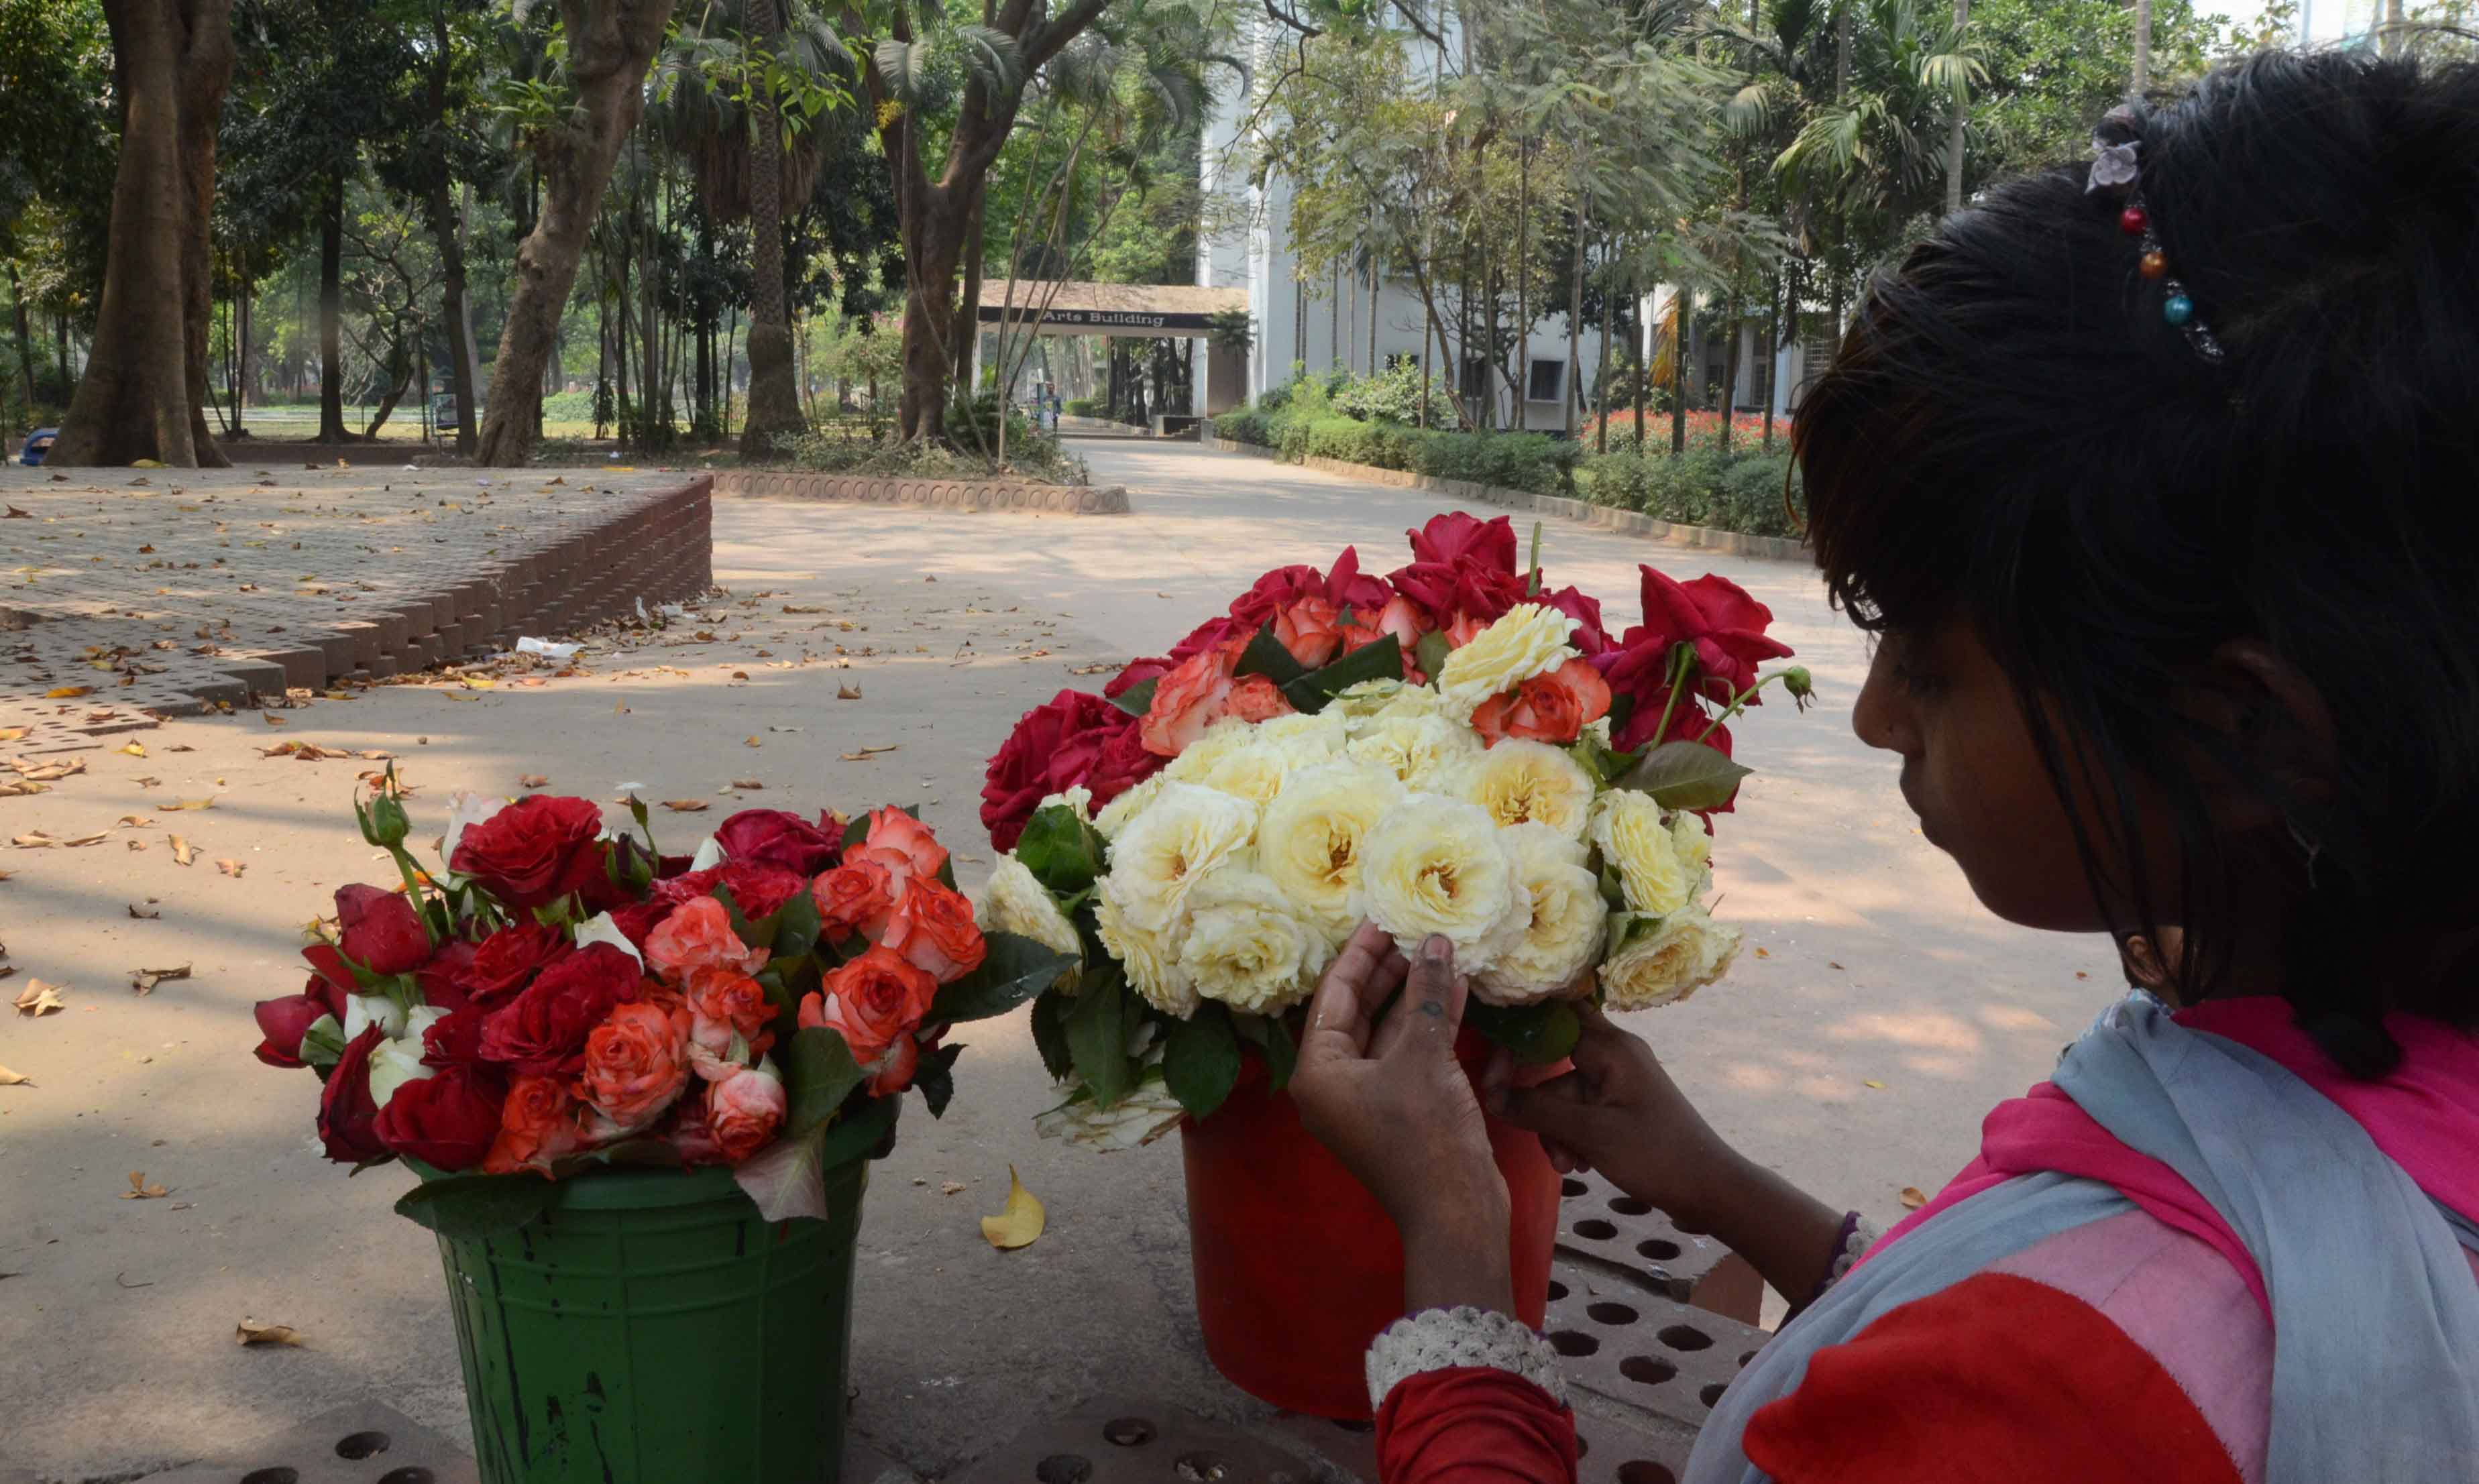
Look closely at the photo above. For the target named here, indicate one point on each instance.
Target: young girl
(2154, 480)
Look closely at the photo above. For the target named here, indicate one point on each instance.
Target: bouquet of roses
(1452, 749)
(563, 997)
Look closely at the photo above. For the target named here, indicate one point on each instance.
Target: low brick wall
(1628, 522)
(932, 493)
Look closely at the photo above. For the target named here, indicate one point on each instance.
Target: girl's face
(1973, 774)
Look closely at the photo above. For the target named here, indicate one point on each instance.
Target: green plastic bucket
(651, 1328)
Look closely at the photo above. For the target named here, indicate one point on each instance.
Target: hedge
(1739, 491)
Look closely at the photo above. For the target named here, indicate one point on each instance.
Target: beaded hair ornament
(2114, 169)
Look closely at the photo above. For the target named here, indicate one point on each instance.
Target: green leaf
(462, 1207)
(1201, 1059)
(937, 1078)
(1062, 851)
(1432, 652)
(855, 831)
(1600, 763)
(819, 1073)
(1097, 1036)
(1379, 661)
(322, 1045)
(755, 935)
(860, 1134)
(1050, 1034)
(1266, 655)
(1015, 969)
(1137, 699)
(1685, 776)
(1538, 1035)
(797, 927)
(787, 1178)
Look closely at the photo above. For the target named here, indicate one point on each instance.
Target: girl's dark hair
(2013, 437)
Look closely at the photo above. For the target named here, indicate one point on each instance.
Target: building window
(1475, 378)
(1548, 381)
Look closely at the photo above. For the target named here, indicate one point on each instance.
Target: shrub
(1742, 493)
(1347, 439)
(1393, 396)
(1751, 497)
(1516, 461)
(1085, 407)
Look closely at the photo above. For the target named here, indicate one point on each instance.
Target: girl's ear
(2276, 728)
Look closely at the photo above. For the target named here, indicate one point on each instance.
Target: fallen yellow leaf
(134, 749)
(751, 742)
(10, 1079)
(270, 718)
(144, 981)
(252, 1332)
(232, 868)
(747, 783)
(479, 682)
(13, 734)
(1912, 1197)
(140, 1191)
(686, 805)
(1872, 1083)
(847, 692)
(183, 851)
(1020, 1224)
(533, 780)
(39, 998)
(66, 692)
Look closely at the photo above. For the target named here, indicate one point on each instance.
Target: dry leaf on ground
(1873, 1083)
(619, 709)
(10, 1079)
(140, 1191)
(847, 693)
(751, 742)
(252, 1332)
(686, 805)
(951, 1187)
(533, 780)
(68, 692)
(232, 868)
(1913, 1197)
(206, 803)
(748, 782)
(146, 913)
(183, 851)
(1020, 1224)
(144, 981)
(132, 749)
(270, 718)
(39, 998)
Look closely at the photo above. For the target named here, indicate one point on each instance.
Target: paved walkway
(1872, 965)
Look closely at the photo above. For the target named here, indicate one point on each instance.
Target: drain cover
(364, 1443)
(1118, 1440)
(1599, 1220)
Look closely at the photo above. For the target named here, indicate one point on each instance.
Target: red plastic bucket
(1297, 1267)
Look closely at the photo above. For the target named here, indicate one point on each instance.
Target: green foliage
(1740, 491)
(1393, 396)
(1085, 407)
(842, 449)
(1303, 426)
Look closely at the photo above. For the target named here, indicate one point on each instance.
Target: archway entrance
(1216, 376)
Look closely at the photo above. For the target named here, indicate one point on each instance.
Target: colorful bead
(2155, 263)
(2178, 309)
(2131, 221)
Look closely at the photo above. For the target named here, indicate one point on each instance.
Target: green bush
(1393, 396)
(1751, 497)
(1742, 492)
(1085, 407)
(1347, 439)
(1514, 461)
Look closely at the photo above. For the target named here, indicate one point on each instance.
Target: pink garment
(2425, 1118)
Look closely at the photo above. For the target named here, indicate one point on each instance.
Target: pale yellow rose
(1079, 799)
(1666, 963)
(1131, 803)
(1359, 703)
(1522, 782)
(1424, 751)
(1155, 861)
(1305, 736)
(1199, 758)
(1439, 865)
(1309, 842)
(1562, 936)
(1015, 902)
(1248, 946)
(1254, 773)
(1693, 839)
(1370, 702)
(1150, 959)
(1636, 840)
(1529, 640)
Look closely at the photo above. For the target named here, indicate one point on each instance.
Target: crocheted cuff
(1450, 1338)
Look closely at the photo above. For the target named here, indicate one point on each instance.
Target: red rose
(454, 1038)
(447, 1119)
(345, 1111)
(933, 929)
(1124, 763)
(1053, 748)
(1716, 616)
(1213, 634)
(1456, 536)
(854, 897)
(870, 1002)
(687, 886)
(540, 1121)
(442, 979)
(1448, 589)
(1138, 672)
(542, 1030)
(761, 889)
(895, 1075)
(638, 920)
(282, 1022)
(330, 966)
(778, 837)
(380, 931)
(1589, 638)
(536, 849)
(508, 960)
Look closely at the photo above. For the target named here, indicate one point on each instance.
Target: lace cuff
(1447, 1338)
(1858, 1235)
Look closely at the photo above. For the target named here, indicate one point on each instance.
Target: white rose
(1693, 838)
(1157, 860)
(1667, 963)
(1522, 781)
(1130, 803)
(1305, 736)
(1254, 772)
(1016, 902)
(1439, 865)
(1309, 840)
(1562, 934)
(1079, 799)
(1219, 741)
(1422, 750)
(365, 1011)
(603, 928)
(398, 1060)
(1143, 1116)
(1359, 703)
(1248, 945)
(1370, 702)
(1150, 961)
(1635, 839)
(1529, 640)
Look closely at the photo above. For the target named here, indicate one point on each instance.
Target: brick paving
(163, 592)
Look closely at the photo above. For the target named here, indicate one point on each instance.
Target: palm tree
(1872, 152)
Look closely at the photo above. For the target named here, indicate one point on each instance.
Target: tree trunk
(2143, 46)
(1644, 355)
(609, 48)
(25, 341)
(331, 314)
(143, 391)
(1774, 339)
(1953, 138)
(1522, 387)
(1682, 325)
(401, 377)
(437, 206)
(1731, 362)
(965, 330)
(245, 386)
(774, 400)
(1576, 321)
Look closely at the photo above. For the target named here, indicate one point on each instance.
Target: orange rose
(537, 1125)
(698, 935)
(892, 829)
(934, 930)
(1190, 698)
(1554, 707)
(1257, 699)
(902, 1059)
(722, 1004)
(636, 1062)
(871, 1002)
(854, 897)
(743, 1111)
(1464, 630)
(1402, 618)
(1308, 629)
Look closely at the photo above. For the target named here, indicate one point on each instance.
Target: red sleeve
(1996, 1380)
(1474, 1425)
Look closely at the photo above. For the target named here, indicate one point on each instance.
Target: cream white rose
(1439, 865)
(1016, 902)
(1669, 963)
(1130, 803)
(1248, 945)
(1254, 772)
(1636, 840)
(1522, 781)
(1200, 757)
(1155, 862)
(1079, 799)
(1563, 928)
(1372, 701)
(1529, 640)
(397, 1061)
(1424, 751)
(1309, 842)
(1150, 959)
(1304, 736)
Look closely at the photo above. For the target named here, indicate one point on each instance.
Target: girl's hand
(1390, 1100)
